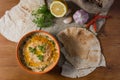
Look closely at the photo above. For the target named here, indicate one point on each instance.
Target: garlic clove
(68, 20)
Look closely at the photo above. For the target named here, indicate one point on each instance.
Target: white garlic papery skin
(67, 20)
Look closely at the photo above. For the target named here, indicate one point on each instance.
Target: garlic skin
(68, 20)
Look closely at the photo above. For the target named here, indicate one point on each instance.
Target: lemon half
(58, 8)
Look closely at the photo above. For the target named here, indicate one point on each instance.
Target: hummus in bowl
(38, 52)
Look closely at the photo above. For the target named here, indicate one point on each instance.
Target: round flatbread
(82, 48)
(18, 21)
(69, 71)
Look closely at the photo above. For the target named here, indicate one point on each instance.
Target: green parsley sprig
(43, 17)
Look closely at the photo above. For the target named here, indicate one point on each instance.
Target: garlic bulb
(81, 17)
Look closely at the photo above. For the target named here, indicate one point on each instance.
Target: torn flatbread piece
(69, 71)
(18, 21)
(82, 47)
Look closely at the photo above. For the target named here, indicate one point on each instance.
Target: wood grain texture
(110, 42)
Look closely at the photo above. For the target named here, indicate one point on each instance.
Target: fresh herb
(43, 68)
(40, 57)
(42, 48)
(47, 37)
(32, 50)
(43, 17)
(52, 42)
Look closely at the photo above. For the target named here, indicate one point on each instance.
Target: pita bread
(18, 21)
(81, 46)
(69, 71)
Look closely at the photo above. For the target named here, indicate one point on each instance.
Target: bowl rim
(25, 68)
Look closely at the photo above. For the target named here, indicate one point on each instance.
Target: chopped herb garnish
(43, 17)
(32, 50)
(52, 42)
(43, 68)
(42, 48)
(47, 37)
(40, 57)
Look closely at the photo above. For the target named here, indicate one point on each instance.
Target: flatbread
(69, 71)
(81, 46)
(18, 21)
(68, 68)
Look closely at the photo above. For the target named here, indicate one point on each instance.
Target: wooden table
(110, 42)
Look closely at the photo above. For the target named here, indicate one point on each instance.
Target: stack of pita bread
(18, 21)
(82, 52)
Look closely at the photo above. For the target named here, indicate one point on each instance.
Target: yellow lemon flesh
(58, 8)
